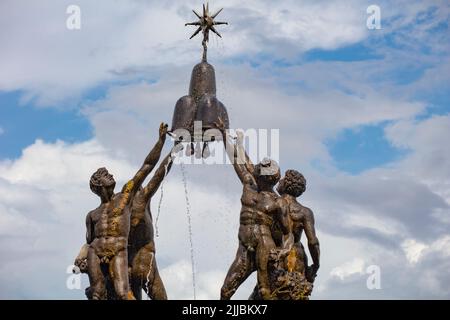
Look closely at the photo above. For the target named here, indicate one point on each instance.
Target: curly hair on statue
(294, 183)
(96, 180)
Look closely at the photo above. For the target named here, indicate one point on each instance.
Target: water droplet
(188, 214)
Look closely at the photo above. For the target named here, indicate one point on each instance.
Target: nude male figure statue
(108, 227)
(141, 248)
(260, 207)
(290, 274)
(290, 187)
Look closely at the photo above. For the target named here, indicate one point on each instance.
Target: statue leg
(136, 287)
(145, 270)
(255, 295)
(118, 269)
(243, 265)
(96, 277)
(157, 290)
(137, 274)
(302, 258)
(263, 249)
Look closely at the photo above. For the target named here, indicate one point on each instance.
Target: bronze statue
(260, 208)
(143, 270)
(289, 274)
(290, 187)
(205, 24)
(119, 254)
(201, 104)
(108, 227)
(141, 247)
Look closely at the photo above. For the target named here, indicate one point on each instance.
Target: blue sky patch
(357, 150)
(355, 52)
(23, 124)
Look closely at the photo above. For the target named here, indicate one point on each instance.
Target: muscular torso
(298, 215)
(141, 227)
(111, 226)
(256, 215)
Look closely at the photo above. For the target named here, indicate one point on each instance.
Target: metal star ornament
(205, 24)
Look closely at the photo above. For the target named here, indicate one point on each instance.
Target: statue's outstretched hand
(239, 137)
(163, 128)
(81, 260)
(220, 124)
(81, 264)
(311, 273)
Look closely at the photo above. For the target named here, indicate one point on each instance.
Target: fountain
(271, 223)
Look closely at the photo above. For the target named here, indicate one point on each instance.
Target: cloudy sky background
(364, 114)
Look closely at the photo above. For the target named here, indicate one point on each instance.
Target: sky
(363, 113)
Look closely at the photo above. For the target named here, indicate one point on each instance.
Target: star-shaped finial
(206, 23)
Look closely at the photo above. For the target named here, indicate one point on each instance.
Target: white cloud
(355, 266)
(43, 202)
(441, 245)
(427, 140)
(116, 40)
(178, 281)
(137, 107)
(413, 250)
(44, 164)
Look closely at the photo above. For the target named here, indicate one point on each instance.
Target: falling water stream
(159, 209)
(159, 206)
(156, 222)
(162, 193)
(188, 214)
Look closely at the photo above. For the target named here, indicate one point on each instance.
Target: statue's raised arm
(239, 159)
(154, 183)
(150, 162)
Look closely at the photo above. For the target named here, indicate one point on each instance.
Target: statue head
(102, 183)
(267, 173)
(293, 183)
